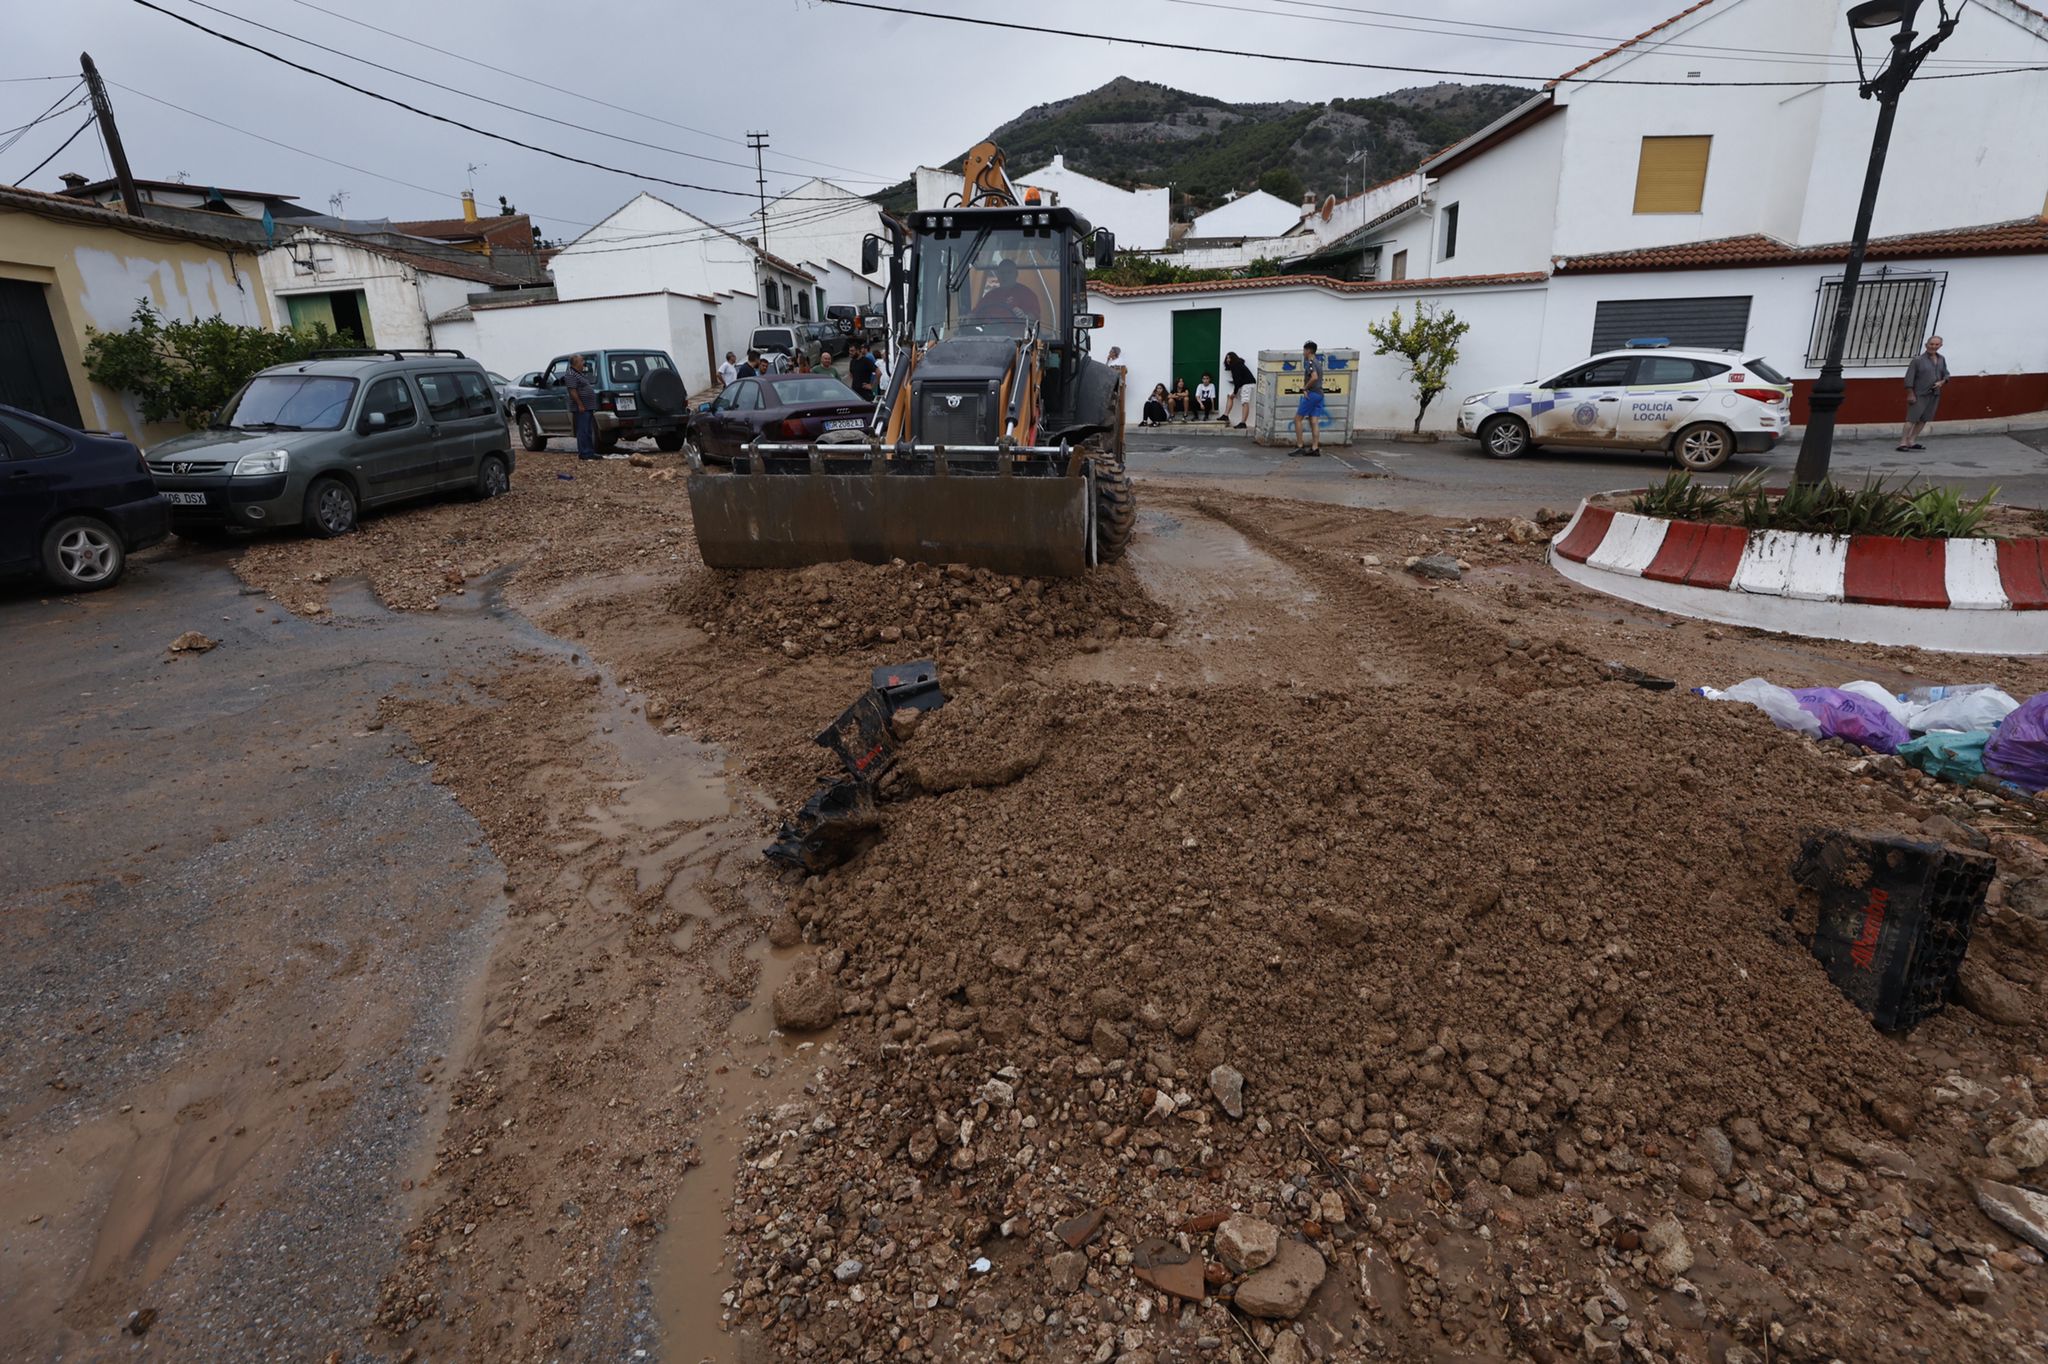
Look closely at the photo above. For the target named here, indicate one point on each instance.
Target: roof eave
(1530, 111)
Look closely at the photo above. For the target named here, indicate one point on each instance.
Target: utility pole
(759, 142)
(131, 198)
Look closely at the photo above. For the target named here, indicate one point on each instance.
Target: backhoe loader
(999, 442)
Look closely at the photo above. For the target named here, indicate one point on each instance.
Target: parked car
(831, 342)
(788, 341)
(504, 388)
(315, 443)
(73, 504)
(1700, 405)
(865, 321)
(626, 408)
(776, 407)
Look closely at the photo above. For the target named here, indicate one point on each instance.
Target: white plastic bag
(1979, 708)
(1775, 701)
(1884, 696)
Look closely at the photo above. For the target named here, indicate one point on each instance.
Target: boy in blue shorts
(1310, 408)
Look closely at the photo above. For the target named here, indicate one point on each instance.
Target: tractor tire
(1116, 509)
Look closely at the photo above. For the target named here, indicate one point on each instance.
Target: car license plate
(185, 499)
(627, 404)
(844, 424)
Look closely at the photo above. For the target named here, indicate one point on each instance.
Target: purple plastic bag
(2018, 751)
(1860, 720)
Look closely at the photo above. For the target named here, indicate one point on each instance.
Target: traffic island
(1966, 595)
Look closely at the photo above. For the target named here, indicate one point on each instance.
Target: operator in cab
(1008, 298)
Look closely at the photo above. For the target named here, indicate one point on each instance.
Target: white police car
(1701, 405)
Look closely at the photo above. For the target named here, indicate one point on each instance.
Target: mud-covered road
(392, 980)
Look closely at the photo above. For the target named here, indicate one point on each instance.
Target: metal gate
(32, 372)
(1702, 323)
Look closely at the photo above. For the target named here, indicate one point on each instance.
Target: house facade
(819, 221)
(650, 243)
(1718, 215)
(1138, 217)
(1257, 214)
(381, 288)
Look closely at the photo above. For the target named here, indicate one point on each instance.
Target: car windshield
(290, 402)
(790, 392)
(1765, 372)
(996, 281)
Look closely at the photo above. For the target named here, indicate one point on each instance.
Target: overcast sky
(855, 96)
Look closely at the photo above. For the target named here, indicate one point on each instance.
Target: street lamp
(1885, 87)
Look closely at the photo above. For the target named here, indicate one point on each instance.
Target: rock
(806, 1002)
(848, 1270)
(1718, 1152)
(2029, 897)
(1066, 1271)
(1976, 1282)
(1283, 1287)
(1898, 1115)
(1109, 1041)
(1698, 1181)
(1668, 1248)
(1991, 996)
(1227, 1085)
(1288, 1349)
(1183, 1280)
(1439, 567)
(784, 931)
(1079, 1230)
(1341, 926)
(923, 1145)
(998, 1093)
(1157, 629)
(1747, 1135)
(946, 1042)
(192, 642)
(1525, 1173)
(1946, 830)
(2025, 1143)
(1524, 532)
(903, 724)
(1247, 1243)
(2022, 1212)
(640, 461)
(793, 649)
(1830, 1178)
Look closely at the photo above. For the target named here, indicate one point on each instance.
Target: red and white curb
(1964, 596)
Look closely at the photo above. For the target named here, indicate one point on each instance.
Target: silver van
(317, 442)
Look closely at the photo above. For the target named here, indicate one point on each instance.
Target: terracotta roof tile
(1623, 47)
(2021, 235)
(1341, 286)
(476, 272)
(516, 230)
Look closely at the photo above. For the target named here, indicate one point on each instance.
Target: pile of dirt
(894, 609)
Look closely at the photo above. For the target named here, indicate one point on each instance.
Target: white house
(819, 221)
(1257, 214)
(649, 243)
(1716, 215)
(384, 289)
(1138, 217)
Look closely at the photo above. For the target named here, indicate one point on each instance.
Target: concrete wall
(94, 275)
(1507, 202)
(1257, 214)
(1507, 327)
(513, 340)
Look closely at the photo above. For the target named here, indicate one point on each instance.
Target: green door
(1197, 345)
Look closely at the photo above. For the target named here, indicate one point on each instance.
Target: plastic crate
(1895, 918)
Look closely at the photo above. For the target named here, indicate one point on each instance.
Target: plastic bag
(1860, 720)
(1959, 757)
(1773, 700)
(1898, 709)
(2018, 752)
(1975, 708)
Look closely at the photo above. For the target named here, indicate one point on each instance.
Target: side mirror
(703, 407)
(372, 421)
(870, 255)
(1105, 249)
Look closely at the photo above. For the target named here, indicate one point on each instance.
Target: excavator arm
(982, 179)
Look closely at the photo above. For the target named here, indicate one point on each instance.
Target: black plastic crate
(1895, 918)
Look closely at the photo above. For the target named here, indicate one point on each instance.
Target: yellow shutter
(1672, 176)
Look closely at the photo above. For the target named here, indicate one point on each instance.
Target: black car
(798, 408)
(73, 504)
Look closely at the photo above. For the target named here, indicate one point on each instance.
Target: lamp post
(1885, 87)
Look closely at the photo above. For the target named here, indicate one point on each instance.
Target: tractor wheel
(1116, 509)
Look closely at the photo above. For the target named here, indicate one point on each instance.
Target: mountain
(1132, 132)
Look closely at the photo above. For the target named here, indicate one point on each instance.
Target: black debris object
(1895, 918)
(841, 818)
(1628, 673)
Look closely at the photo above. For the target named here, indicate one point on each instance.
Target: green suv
(639, 394)
(315, 443)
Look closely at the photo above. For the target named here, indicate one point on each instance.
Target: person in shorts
(1310, 409)
(1924, 378)
(1240, 391)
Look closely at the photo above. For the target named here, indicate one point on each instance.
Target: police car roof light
(1648, 342)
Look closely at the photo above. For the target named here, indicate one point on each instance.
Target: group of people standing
(866, 369)
(1199, 404)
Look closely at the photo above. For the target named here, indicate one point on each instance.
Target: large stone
(1066, 1270)
(807, 1001)
(1441, 567)
(1109, 1041)
(1719, 1151)
(1668, 1248)
(1227, 1085)
(2022, 1212)
(1247, 1243)
(1079, 1230)
(2025, 1143)
(1989, 995)
(1525, 1174)
(1283, 1287)
(1288, 1349)
(1183, 1280)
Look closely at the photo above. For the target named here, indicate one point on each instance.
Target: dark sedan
(73, 504)
(776, 407)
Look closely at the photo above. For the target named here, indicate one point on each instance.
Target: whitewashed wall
(1507, 203)
(1257, 214)
(650, 245)
(819, 221)
(1507, 328)
(399, 298)
(517, 339)
(1138, 217)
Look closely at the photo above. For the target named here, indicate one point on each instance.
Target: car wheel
(530, 434)
(1703, 448)
(1504, 437)
(330, 508)
(668, 442)
(83, 554)
(493, 479)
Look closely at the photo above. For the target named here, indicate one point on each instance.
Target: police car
(1701, 405)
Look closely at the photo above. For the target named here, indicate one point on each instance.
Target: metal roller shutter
(1701, 323)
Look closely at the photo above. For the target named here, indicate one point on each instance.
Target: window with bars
(1890, 318)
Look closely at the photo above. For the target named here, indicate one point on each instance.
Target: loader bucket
(1028, 516)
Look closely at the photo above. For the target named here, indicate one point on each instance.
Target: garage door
(32, 373)
(1701, 323)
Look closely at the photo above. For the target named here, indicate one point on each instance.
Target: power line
(50, 111)
(867, 176)
(22, 80)
(456, 122)
(1545, 80)
(59, 152)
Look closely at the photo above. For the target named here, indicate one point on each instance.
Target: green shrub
(189, 370)
(1824, 508)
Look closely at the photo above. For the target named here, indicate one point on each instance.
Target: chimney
(1308, 202)
(469, 206)
(73, 182)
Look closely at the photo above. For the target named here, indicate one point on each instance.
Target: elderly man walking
(583, 407)
(1924, 378)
